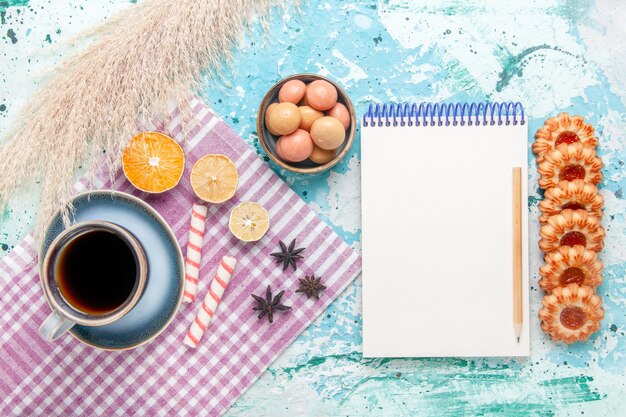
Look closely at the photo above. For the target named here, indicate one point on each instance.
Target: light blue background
(553, 56)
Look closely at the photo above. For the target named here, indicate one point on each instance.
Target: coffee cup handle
(54, 326)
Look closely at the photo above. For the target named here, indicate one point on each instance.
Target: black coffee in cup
(96, 272)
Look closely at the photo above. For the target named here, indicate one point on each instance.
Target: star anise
(288, 255)
(310, 285)
(268, 305)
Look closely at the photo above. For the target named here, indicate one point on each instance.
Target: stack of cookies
(571, 234)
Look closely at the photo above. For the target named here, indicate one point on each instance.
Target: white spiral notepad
(437, 229)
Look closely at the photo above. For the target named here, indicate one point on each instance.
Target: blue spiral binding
(439, 114)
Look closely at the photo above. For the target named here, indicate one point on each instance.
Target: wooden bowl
(268, 141)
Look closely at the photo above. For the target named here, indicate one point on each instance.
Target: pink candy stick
(194, 251)
(212, 299)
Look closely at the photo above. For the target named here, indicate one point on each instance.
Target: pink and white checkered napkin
(166, 378)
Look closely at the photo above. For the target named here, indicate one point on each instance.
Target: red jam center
(573, 317)
(572, 275)
(572, 172)
(573, 239)
(572, 206)
(566, 137)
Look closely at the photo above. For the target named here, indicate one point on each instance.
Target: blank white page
(437, 240)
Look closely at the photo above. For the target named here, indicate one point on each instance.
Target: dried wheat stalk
(154, 52)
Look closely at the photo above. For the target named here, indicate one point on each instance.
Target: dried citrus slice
(249, 221)
(214, 178)
(153, 162)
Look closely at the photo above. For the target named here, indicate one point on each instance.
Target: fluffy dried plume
(155, 52)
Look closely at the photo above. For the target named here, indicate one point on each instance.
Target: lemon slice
(249, 221)
(214, 178)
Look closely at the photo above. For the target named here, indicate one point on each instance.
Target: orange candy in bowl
(306, 123)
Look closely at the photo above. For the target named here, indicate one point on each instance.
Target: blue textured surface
(553, 56)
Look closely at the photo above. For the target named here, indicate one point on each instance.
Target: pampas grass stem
(156, 51)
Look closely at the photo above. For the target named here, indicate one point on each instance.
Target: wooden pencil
(517, 251)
